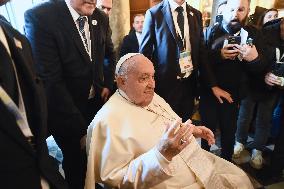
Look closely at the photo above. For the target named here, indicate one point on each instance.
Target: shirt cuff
(282, 81)
(162, 160)
(168, 167)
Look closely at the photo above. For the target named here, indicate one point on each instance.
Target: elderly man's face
(105, 5)
(138, 23)
(236, 12)
(140, 84)
(84, 7)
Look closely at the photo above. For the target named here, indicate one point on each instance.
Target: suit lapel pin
(94, 22)
(18, 43)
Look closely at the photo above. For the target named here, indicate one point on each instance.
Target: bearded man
(232, 61)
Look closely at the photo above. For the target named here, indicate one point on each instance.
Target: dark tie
(7, 74)
(180, 20)
(81, 22)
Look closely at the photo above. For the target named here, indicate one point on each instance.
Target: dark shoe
(267, 175)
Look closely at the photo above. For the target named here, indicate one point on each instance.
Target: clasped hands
(178, 135)
(247, 52)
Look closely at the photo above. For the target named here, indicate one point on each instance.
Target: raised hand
(175, 139)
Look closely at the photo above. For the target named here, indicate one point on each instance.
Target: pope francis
(137, 141)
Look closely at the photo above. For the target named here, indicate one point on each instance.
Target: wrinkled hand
(272, 80)
(205, 133)
(231, 54)
(83, 142)
(220, 93)
(105, 94)
(248, 53)
(171, 142)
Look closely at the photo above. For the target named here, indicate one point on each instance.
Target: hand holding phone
(234, 40)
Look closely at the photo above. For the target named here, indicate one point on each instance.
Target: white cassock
(121, 148)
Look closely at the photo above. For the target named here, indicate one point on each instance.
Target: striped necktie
(81, 22)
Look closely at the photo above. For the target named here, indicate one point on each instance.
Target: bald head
(136, 78)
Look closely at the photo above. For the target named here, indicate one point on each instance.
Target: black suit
(129, 44)
(68, 74)
(21, 164)
(160, 44)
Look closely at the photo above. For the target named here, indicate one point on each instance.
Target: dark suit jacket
(21, 166)
(160, 44)
(65, 66)
(129, 44)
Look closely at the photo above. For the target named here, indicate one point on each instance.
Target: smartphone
(219, 19)
(234, 40)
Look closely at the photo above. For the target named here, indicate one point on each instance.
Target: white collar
(174, 5)
(124, 95)
(75, 15)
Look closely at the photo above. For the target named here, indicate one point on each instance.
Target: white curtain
(119, 21)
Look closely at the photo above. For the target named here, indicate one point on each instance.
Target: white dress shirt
(139, 37)
(173, 6)
(75, 17)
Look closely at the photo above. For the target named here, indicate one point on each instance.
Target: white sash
(19, 112)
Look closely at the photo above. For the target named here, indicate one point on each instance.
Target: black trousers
(224, 115)
(277, 160)
(180, 96)
(74, 158)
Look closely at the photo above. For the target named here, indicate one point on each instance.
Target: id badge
(185, 63)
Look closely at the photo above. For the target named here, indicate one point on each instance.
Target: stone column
(119, 21)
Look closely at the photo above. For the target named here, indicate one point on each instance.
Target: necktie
(7, 74)
(81, 22)
(180, 20)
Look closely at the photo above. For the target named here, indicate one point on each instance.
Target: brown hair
(260, 21)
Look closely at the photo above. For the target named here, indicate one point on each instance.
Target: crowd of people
(59, 78)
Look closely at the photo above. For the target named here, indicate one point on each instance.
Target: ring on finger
(182, 141)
